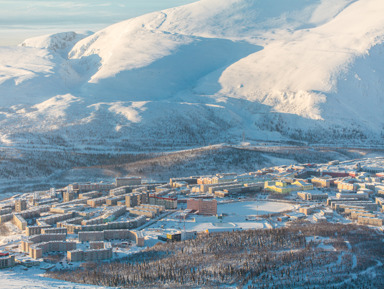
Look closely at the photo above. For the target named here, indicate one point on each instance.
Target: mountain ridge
(207, 72)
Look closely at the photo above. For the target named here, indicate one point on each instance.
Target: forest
(300, 256)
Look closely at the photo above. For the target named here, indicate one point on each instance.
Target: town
(94, 222)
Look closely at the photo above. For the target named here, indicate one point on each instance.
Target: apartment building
(348, 195)
(97, 202)
(136, 199)
(46, 230)
(312, 196)
(90, 255)
(370, 221)
(20, 205)
(36, 251)
(128, 181)
(113, 200)
(7, 261)
(137, 211)
(26, 243)
(69, 196)
(167, 203)
(343, 186)
(5, 218)
(20, 222)
(5, 211)
(35, 230)
(202, 207)
(53, 219)
(321, 182)
(91, 236)
(94, 221)
(88, 187)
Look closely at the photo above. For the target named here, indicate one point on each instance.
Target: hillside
(205, 73)
(307, 70)
(300, 256)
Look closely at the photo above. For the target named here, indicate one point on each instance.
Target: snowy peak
(307, 70)
(61, 43)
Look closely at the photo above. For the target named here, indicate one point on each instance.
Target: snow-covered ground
(201, 73)
(18, 278)
(237, 215)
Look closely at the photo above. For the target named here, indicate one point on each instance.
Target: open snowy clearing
(235, 218)
(17, 278)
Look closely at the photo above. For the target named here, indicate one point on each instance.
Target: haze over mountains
(199, 74)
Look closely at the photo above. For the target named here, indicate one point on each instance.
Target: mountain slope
(202, 73)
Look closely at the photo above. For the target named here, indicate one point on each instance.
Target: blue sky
(21, 19)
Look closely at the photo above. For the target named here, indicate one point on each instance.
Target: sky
(22, 19)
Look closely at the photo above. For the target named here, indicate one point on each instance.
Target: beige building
(321, 183)
(202, 207)
(90, 255)
(68, 196)
(128, 181)
(20, 222)
(35, 230)
(136, 199)
(137, 211)
(347, 187)
(370, 221)
(7, 261)
(91, 236)
(312, 197)
(87, 187)
(307, 210)
(54, 230)
(6, 218)
(97, 202)
(20, 205)
(167, 203)
(356, 214)
(90, 195)
(26, 243)
(53, 219)
(36, 251)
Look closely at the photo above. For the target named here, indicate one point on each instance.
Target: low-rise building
(370, 221)
(312, 196)
(319, 218)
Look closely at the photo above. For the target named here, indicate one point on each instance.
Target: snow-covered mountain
(207, 72)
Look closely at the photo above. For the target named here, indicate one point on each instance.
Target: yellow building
(280, 187)
(303, 185)
(284, 188)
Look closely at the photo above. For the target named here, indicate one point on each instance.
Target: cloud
(35, 14)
